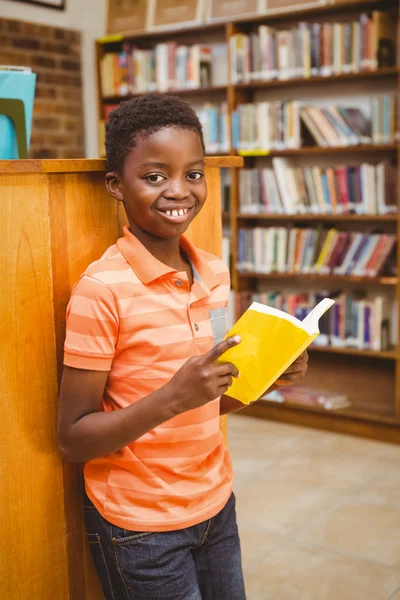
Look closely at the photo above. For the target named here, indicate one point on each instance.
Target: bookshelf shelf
(321, 278)
(297, 413)
(186, 92)
(384, 354)
(317, 12)
(306, 150)
(303, 81)
(320, 218)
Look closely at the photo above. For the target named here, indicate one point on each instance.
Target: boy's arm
(296, 372)
(85, 432)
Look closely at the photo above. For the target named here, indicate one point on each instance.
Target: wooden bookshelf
(319, 79)
(371, 379)
(319, 278)
(307, 218)
(383, 354)
(307, 150)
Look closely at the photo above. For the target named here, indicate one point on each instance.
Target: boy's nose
(176, 191)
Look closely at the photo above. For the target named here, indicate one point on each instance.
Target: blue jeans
(202, 562)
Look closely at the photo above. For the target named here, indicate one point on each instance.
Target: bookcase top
(89, 164)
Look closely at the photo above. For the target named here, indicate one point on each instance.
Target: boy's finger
(227, 369)
(222, 347)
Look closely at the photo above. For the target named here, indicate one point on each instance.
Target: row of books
(266, 126)
(166, 67)
(216, 131)
(314, 49)
(355, 320)
(285, 188)
(315, 251)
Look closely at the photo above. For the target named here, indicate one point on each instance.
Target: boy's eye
(194, 175)
(155, 178)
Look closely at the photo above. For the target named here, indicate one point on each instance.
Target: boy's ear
(113, 185)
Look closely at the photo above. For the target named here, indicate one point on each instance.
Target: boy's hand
(296, 372)
(201, 380)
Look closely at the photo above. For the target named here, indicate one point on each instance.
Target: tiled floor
(319, 513)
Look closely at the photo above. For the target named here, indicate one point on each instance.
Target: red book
(342, 255)
(373, 261)
(340, 243)
(344, 196)
(384, 255)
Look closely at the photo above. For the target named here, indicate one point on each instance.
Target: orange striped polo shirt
(135, 317)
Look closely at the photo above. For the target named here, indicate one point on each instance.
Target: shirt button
(179, 282)
(196, 327)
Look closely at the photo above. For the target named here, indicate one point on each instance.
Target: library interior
(296, 106)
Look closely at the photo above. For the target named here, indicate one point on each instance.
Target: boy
(141, 393)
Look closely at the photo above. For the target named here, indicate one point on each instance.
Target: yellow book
(271, 341)
(325, 250)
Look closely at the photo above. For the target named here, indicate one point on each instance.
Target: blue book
(235, 130)
(325, 188)
(15, 85)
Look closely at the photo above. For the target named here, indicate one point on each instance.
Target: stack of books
(307, 396)
(215, 122)
(268, 126)
(167, 67)
(285, 188)
(355, 320)
(315, 251)
(312, 49)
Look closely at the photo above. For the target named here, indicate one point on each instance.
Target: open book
(271, 342)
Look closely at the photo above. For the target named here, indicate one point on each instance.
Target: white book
(292, 249)
(162, 67)
(282, 246)
(281, 167)
(360, 268)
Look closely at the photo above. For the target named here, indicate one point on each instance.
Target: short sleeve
(92, 325)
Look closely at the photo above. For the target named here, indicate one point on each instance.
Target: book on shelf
(360, 320)
(167, 67)
(271, 341)
(312, 49)
(226, 187)
(215, 123)
(307, 396)
(285, 188)
(318, 251)
(268, 126)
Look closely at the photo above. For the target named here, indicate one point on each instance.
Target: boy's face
(162, 185)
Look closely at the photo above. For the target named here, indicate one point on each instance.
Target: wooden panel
(91, 165)
(33, 555)
(83, 225)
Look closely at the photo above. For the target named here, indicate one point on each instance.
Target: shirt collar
(148, 268)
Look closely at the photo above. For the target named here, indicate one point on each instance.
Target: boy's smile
(162, 184)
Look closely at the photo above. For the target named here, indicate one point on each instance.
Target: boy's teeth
(181, 212)
(168, 213)
(174, 213)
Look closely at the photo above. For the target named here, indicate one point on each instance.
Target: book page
(311, 322)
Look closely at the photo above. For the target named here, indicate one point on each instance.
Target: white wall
(89, 16)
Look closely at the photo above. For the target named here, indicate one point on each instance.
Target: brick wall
(54, 54)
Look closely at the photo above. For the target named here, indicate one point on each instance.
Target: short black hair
(141, 117)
